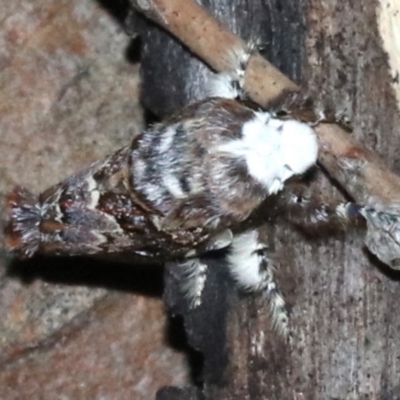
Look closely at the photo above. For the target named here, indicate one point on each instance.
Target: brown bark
(343, 343)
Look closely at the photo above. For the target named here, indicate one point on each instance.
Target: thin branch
(215, 45)
(358, 170)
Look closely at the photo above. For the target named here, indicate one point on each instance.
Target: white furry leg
(252, 270)
(226, 86)
(230, 85)
(192, 277)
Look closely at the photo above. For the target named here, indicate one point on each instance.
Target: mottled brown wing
(92, 213)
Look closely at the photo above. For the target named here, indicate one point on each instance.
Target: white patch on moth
(244, 262)
(55, 205)
(172, 184)
(263, 116)
(139, 168)
(195, 187)
(195, 184)
(299, 146)
(190, 253)
(220, 241)
(167, 138)
(229, 84)
(152, 192)
(222, 85)
(94, 198)
(237, 59)
(342, 210)
(91, 183)
(193, 279)
(94, 192)
(32, 235)
(213, 222)
(157, 222)
(277, 303)
(252, 271)
(274, 150)
(276, 186)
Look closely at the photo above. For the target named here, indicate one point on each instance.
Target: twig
(358, 170)
(215, 45)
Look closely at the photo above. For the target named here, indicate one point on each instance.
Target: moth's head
(299, 147)
(274, 150)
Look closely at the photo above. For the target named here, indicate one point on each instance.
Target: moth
(183, 187)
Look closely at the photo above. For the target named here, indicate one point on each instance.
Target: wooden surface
(344, 341)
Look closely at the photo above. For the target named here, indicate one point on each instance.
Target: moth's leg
(315, 216)
(231, 85)
(192, 272)
(252, 270)
(192, 275)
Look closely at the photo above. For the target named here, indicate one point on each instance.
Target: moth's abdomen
(22, 231)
